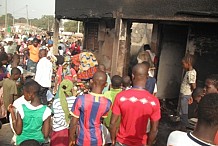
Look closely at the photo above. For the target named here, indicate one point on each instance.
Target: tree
(71, 26)
(46, 22)
(21, 20)
(9, 20)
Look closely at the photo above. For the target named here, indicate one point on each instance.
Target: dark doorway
(203, 40)
(172, 49)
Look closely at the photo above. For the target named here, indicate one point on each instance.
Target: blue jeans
(184, 109)
(184, 104)
(31, 66)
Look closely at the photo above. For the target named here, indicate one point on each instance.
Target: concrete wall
(172, 50)
(140, 35)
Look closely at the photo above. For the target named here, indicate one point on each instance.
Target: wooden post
(127, 49)
(115, 53)
(56, 34)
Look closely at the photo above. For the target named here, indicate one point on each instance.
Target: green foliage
(9, 20)
(46, 22)
(71, 26)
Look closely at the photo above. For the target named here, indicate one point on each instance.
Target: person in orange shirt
(34, 56)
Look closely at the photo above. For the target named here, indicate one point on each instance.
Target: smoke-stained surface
(181, 10)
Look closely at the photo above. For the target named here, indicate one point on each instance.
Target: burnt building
(178, 27)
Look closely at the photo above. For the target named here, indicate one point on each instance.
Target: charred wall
(99, 37)
(179, 10)
(172, 49)
(203, 42)
(200, 39)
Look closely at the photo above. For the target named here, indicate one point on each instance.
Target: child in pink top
(66, 71)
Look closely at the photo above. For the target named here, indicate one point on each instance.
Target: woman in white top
(61, 106)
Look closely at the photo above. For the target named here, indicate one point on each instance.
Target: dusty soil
(165, 127)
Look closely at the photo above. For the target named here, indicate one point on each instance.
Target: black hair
(59, 48)
(60, 60)
(72, 65)
(32, 86)
(30, 142)
(214, 79)
(126, 81)
(28, 77)
(35, 40)
(16, 56)
(116, 81)
(43, 42)
(15, 71)
(208, 110)
(189, 59)
(146, 63)
(3, 56)
(147, 47)
(197, 92)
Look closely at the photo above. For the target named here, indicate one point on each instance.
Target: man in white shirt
(206, 127)
(43, 74)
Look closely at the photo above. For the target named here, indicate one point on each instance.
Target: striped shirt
(90, 108)
(59, 122)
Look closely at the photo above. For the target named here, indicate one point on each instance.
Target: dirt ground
(5, 135)
(165, 127)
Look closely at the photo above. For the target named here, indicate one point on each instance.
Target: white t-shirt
(17, 103)
(189, 78)
(152, 55)
(44, 72)
(108, 83)
(50, 51)
(61, 52)
(9, 69)
(179, 138)
(46, 114)
(59, 122)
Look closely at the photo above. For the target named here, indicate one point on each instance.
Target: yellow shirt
(34, 53)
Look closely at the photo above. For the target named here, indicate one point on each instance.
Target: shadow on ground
(166, 125)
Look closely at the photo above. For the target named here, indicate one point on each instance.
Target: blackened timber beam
(115, 53)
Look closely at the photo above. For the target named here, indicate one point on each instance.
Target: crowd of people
(70, 99)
